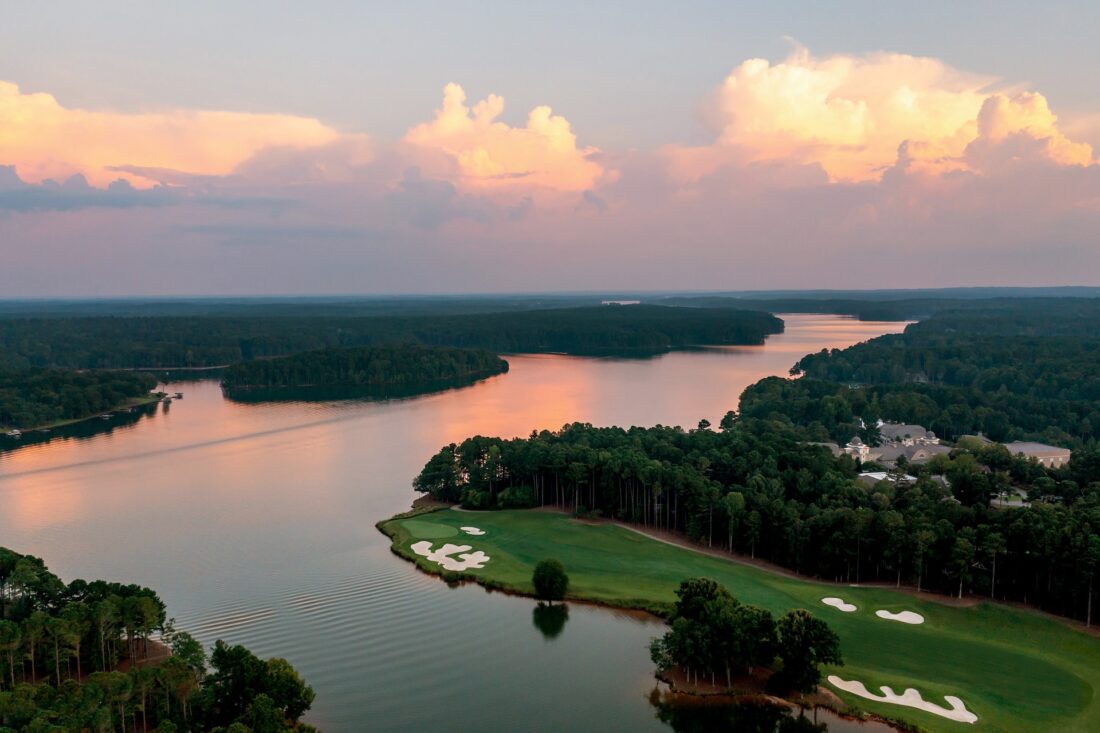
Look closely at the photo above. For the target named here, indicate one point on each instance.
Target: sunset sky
(153, 148)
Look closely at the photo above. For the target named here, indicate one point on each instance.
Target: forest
(1030, 371)
(160, 342)
(37, 397)
(759, 486)
(755, 487)
(902, 305)
(102, 656)
(404, 366)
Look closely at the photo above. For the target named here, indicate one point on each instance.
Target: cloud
(846, 113)
(45, 140)
(877, 170)
(1019, 128)
(75, 193)
(493, 155)
(856, 116)
(341, 161)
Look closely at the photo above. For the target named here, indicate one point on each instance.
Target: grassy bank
(1017, 671)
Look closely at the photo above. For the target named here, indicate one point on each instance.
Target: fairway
(1017, 671)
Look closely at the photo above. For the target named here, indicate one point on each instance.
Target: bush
(550, 581)
(517, 497)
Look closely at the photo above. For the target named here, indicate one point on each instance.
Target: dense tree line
(33, 397)
(408, 365)
(833, 411)
(905, 305)
(756, 487)
(1030, 371)
(713, 634)
(77, 657)
(184, 341)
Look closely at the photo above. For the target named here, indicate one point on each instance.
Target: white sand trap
(910, 699)
(906, 617)
(443, 556)
(839, 604)
(473, 530)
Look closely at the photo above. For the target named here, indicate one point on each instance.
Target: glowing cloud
(1020, 127)
(854, 117)
(846, 113)
(493, 154)
(44, 139)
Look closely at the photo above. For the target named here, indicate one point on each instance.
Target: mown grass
(1016, 670)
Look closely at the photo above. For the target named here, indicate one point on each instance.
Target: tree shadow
(550, 619)
(717, 715)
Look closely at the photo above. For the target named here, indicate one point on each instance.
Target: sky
(154, 148)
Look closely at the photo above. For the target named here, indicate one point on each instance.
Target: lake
(255, 523)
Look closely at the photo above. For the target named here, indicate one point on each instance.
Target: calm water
(256, 525)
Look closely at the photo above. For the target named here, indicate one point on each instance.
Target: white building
(1050, 456)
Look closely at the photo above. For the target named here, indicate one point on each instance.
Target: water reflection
(550, 619)
(703, 715)
(102, 425)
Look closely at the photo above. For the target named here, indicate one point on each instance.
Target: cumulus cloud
(855, 117)
(1019, 128)
(846, 113)
(839, 168)
(492, 154)
(45, 140)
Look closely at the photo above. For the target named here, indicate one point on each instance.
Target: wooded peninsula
(409, 366)
(36, 397)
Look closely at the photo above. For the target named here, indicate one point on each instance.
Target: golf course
(1013, 669)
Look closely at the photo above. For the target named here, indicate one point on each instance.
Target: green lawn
(1017, 671)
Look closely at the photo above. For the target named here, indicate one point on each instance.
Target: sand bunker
(906, 617)
(448, 557)
(839, 604)
(910, 699)
(473, 530)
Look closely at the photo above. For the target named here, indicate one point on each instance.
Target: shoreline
(426, 504)
(151, 398)
(823, 698)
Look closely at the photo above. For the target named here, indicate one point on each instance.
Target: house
(916, 454)
(924, 453)
(856, 448)
(907, 434)
(1049, 456)
(832, 448)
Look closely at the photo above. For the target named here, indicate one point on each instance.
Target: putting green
(1016, 670)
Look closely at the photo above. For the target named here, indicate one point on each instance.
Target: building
(907, 434)
(870, 478)
(915, 454)
(1050, 456)
(856, 448)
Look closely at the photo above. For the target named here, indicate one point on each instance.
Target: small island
(370, 371)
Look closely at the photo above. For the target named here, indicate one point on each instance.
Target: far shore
(129, 404)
